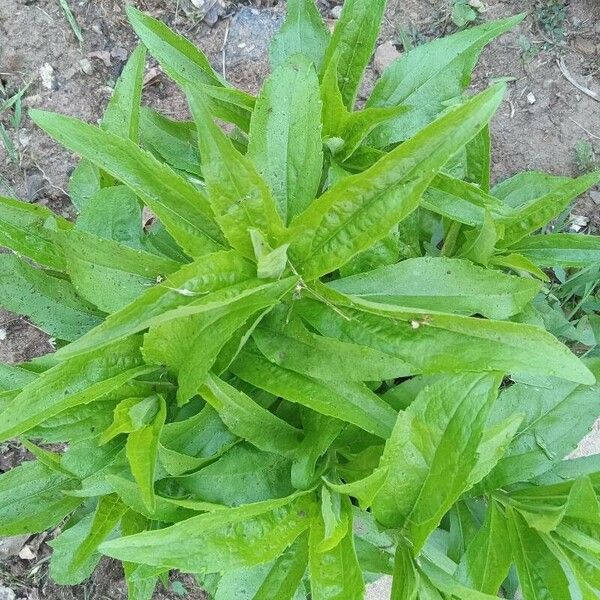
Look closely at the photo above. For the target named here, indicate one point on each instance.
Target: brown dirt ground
(35, 34)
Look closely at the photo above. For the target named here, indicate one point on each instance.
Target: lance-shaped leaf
(239, 196)
(286, 575)
(109, 274)
(479, 159)
(122, 115)
(31, 498)
(190, 346)
(540, 572)
(346, 401)
(443, 284)
(285, 135)
(303, 32)
(557, 414)
(361, 209)
(436, 578)
(114, 213)
(560, 249)
(428, 341)
(32, 231)
(539, 211)
(431, 453)
(51, 303)
(322, 357)
(181, 293)
(142, 453)
(407, 578)
(174, 142)
(182, 208)
(353, 42)
(186, 64)
(485, 564)
(461, 201)
(429, 77)
(248, 420)
(335, 573)
(80, 380)
(14, 378)
(226, 539)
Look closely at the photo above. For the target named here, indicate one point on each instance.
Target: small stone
(85, 64)
(10, 546)
(336, 12)
(6, 593)
(578, 222)
(24, 138)
(35, 184)
(477, 5)
(2, 338)
(531, 98)
(119, 53)
(47, 76)
(102, 55)
(595, 196)
(26, 553)
(385, 55)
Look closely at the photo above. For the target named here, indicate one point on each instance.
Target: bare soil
(539, 126)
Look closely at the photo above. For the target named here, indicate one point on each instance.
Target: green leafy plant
(331, 354)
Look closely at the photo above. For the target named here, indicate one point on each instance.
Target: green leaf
(335, 573)
(84, 183)
(485, 564)
(479, 159)
(429, 78)
(80, 380)
(494, 445)
(540, 572)
(431, 452)
(321, 357)
(248, 420)
(122, 115)
(443, 284)
(238, 195)
(31, 498)
(270, 263)
(14, 378)
(361, 209)
(406, 575)
(560, 249)
(51, 303)
(183, 209)
(223, 540)
(185, 63)
(303, 32)
(537, 212)
(109, 274)
(447, 584)
(130, 415)
(347, 401)
(286, 574)
(32, 231)
(113, 213)
(353, 42)
(64, 547)
(428, 341)
(142, 454)
(190, 346)
(461, 201)
(187, 291)
(557, 415)
(285, 135)
(173, 142)
(364, 490)
(178, 57)
(241, 475)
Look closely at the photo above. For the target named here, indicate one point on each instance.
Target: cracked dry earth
(540, 125)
